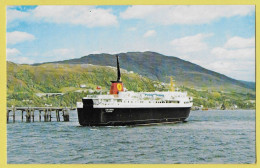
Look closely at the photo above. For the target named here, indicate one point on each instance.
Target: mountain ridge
(159, 67)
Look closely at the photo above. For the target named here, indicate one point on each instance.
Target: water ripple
(207, 137)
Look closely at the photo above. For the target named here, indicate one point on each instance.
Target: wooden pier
(46, 112)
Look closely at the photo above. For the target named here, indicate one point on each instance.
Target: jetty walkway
(45, 111)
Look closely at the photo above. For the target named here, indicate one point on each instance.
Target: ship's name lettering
(161, 95)
(109, 110)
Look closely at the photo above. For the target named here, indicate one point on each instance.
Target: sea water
(207, 137)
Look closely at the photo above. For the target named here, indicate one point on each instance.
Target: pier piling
(22, 115)
(13, 113)
(66, 116)
(40, 117)
(45, 115)
(7, 115)
(27, 115)
(58, 114)
(30, 113)
(50, 115)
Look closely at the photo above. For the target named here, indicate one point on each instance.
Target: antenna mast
(118, 70)
(172, 85)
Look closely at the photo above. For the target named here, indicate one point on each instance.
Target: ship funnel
(117, 85)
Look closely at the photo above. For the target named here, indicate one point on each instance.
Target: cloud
(14, 55)
(10, 52)
(12, 15)
(59, 54)
(236, 48)
(236, 58)
(150, 33)
(181, 14)
(21, 60)
(241, 70)
(89, 16)
(132, 29)
(244, 53)
(18, 37)
(228, 66)
(189, 44)
(239, 42)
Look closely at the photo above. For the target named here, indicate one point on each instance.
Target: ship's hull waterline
(89, 116)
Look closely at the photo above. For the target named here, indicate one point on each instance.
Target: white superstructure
(130, 99)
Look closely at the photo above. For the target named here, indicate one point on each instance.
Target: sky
(217, 37)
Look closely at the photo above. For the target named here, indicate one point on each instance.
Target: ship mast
(118, 70)
(172, 85)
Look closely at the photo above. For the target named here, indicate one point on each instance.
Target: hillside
(250, 85)
(25, 83)
(159, 67)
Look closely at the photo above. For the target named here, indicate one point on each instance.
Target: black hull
(89, 116)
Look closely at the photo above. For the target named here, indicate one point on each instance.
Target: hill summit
(159, 67)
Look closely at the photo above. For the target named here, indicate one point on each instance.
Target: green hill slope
(159, 67)
(25, 82)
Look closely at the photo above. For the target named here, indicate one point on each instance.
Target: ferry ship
(121, 107)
